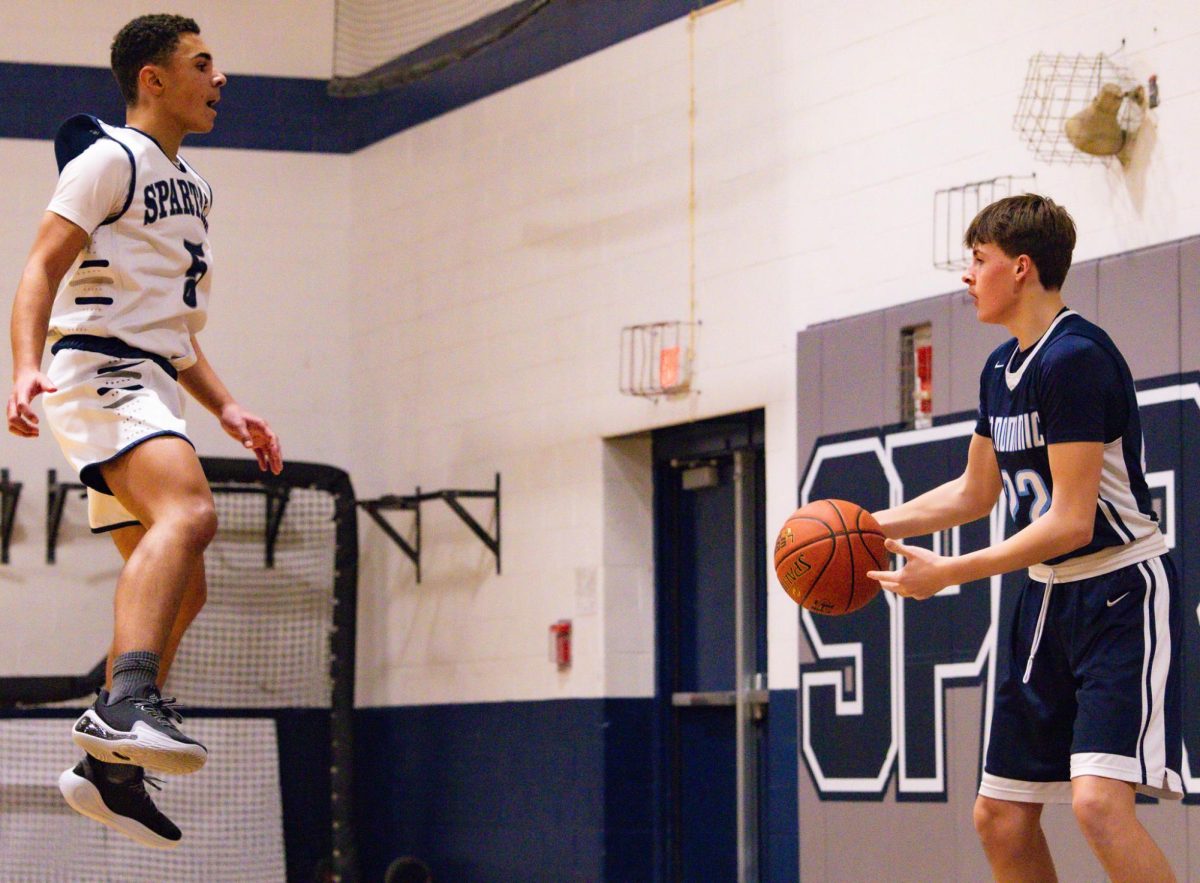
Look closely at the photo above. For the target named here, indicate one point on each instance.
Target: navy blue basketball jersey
(1073, 385)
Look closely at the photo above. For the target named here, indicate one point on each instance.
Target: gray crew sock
(131, 672)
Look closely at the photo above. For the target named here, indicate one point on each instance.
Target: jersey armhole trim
(132, 183)
(79, 133)
(208, 186)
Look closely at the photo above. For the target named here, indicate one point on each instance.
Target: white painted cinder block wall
(278, 331)
(512, 239)
(447, 303)
(277, 334)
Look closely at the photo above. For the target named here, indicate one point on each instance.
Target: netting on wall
(262, 640)
(265, 675)
(230, 812)
(383, 44)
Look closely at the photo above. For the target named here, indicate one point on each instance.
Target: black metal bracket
(394, 503)
(412, 503)
(277, 498)
(10, 494)
(28, 691)
(56, 499)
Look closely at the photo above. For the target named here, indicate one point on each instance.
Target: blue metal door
(710, 537)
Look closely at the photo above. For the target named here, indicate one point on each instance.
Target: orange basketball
(823, 554)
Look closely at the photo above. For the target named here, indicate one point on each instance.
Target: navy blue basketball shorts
(1101, 694)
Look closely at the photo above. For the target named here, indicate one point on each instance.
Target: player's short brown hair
(1028, 225)
(148, 39)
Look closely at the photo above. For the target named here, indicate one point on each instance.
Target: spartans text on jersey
(176, 196)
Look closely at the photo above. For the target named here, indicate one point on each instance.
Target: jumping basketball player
(129, 224)
(1089, 710)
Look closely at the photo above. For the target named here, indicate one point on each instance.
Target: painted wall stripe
(296, 114)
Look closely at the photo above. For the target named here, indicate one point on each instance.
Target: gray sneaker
(139, 730)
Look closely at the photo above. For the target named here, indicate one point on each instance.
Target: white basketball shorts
(107, 403)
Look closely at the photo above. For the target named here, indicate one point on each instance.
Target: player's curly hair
(148, 39)
(1031, 225)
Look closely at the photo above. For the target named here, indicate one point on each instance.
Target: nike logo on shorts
(1117, 600)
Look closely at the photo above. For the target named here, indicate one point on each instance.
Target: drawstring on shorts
(1041, 623)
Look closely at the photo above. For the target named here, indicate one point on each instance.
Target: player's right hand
(22, 420)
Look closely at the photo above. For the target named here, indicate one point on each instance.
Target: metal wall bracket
(277, 497)
(30, 691)
(395, 503)
(10, 494)
(56, 499)
(412, 503)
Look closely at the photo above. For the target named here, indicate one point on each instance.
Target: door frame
(738, 439)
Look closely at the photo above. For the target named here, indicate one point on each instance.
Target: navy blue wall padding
(304, 788)
(296, 114)
(629, 788)
(782, 861)
(553, 790)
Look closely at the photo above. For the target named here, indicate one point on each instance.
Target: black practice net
(265, 675)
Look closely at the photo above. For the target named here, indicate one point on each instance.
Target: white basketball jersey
(144, 275)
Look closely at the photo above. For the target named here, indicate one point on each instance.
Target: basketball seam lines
(828, 561)
(850, 546)
(839, 533)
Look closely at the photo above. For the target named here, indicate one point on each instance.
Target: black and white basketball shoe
(115, 795)
(139, 730)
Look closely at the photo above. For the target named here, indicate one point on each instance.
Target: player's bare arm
(1066, 525)
(252, 431)
(55, 248)
(966, 498)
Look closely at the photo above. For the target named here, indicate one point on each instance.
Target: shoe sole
(83, 797)
(143, 746)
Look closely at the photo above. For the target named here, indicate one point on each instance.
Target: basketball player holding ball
(129, 223)
(1089, 710)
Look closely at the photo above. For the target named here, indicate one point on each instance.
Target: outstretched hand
(22, 420)
(254, 433)
(923, 576)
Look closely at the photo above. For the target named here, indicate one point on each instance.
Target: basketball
(823, 553)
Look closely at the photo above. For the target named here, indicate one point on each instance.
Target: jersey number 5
(195, 272)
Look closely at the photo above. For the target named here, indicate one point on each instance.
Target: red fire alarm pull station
(560, 643)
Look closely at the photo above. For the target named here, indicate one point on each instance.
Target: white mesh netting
(230, 812)
(368, 33)
(261, 642)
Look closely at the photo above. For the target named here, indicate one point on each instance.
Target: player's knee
(1096, 812)
(988, 820)
(196, 522)
(205, 523)
(1001, 825)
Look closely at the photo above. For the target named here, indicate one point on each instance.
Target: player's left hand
(254, 433)
(923, 576)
